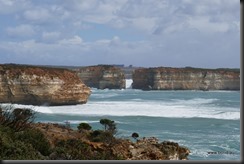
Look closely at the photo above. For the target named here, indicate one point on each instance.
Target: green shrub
(14, 149)
(84, 126)
(16, 118)
(135, 135)
(109, 125)
(102, 136)
(74, 149)
(36, 138)
(71, 149)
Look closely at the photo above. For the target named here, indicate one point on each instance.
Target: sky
(146, 33)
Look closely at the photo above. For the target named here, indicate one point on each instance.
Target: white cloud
(12, 6)
(146, 32)
(38, 15)
(144, 24)
(58, 11)
(23, 30)
(82, 25)
(115, 41)
(75, 40)
(94, 11)
(7, 2)
(168, 16)
(203, 24)
(50, 36)
(190, 48)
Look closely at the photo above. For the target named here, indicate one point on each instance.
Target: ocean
(206, 122)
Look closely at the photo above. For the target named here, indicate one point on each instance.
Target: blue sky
(148, 33)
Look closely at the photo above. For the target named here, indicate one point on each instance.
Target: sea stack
(32, 85)
(102, 77)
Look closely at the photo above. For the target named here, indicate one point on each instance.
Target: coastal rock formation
(102, 77)
(150, 149)
(166, 78)
(32, 85)
(147, 148)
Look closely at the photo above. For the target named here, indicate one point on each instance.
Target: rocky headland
(32, 85)
(146, 148)
(102, 76)
(167, 78)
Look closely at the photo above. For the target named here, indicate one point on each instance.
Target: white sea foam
(42, 109)
(195, 101)
(104, 95)
(80, 121)
(174, 108)
(151, 109)
(128, 83)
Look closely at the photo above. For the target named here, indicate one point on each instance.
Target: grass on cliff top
(24, 66)
(237, 70)
(15, 70)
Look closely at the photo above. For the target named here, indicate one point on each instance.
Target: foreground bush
(36, 138)
(74, 149)
(21, 141)
(15, 149)
(17, 139)
(16, 118)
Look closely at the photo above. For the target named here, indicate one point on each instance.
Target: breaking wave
(175, 109)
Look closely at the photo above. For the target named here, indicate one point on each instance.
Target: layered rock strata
(166, 78)
(102, 77)
(33, 85)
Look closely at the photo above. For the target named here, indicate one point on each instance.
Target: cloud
(93, 11)
(202, 33)
(10, 6)
(23, 30)
(203, 24)
(75, 40)
(37, 15)
(170, 16)
(50, 36)
(175, 50)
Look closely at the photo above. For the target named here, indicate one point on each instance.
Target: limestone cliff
(166, 78)
(33, 85)
(102, 77)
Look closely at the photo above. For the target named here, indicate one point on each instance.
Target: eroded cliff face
(41, 86)
(165, 78)
(102, 77)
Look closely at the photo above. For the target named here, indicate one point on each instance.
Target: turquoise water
(205, 122)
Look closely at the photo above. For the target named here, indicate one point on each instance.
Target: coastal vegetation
(84, 126)
(135, 135)
(18, 140)
(21, 138)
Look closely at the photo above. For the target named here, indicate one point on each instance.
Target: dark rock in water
(32, 85)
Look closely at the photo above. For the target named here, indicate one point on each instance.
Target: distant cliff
(41, 86)
(166, 78)
(102, 77)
